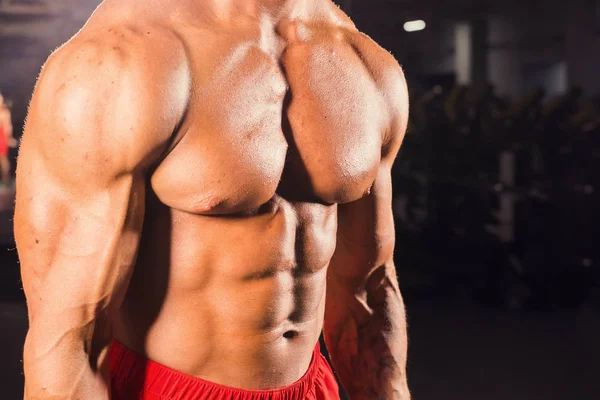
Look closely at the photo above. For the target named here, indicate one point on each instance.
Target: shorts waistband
(133, 375)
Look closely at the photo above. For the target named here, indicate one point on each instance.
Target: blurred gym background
(496, 188)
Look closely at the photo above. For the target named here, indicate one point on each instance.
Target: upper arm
(96, 122)
(366, 235)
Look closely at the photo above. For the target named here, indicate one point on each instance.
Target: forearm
(66, 362)
(365, 332)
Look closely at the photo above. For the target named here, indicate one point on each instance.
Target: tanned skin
(208, 182)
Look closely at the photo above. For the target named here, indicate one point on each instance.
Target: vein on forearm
(367, 340)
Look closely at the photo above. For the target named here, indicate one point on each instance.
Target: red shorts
(135, 378)
(3, 142)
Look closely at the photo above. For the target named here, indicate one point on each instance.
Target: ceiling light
(414, 26)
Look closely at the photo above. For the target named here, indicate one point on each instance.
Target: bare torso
(286, 119)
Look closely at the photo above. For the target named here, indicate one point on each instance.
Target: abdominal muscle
(237, 301)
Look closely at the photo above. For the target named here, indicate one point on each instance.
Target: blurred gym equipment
(496, 200)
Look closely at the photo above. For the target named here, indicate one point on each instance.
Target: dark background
(496, 189)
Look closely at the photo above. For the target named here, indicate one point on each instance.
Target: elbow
(382, 285)
(67, 329)
(384, 274)
(48, 333)
(55, 344)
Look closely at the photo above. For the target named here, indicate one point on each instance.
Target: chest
(306, 125)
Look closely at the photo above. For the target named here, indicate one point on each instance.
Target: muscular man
(203, 187)
(6, 140)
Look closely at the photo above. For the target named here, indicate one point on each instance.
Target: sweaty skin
(208, 182)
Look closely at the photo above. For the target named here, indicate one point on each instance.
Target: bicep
(366, 235)
(77, 242)
(80, 198)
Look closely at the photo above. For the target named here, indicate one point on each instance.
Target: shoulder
(121, 84)
(390, 80)
(101, 51)
(122, 39)
(384, 68)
